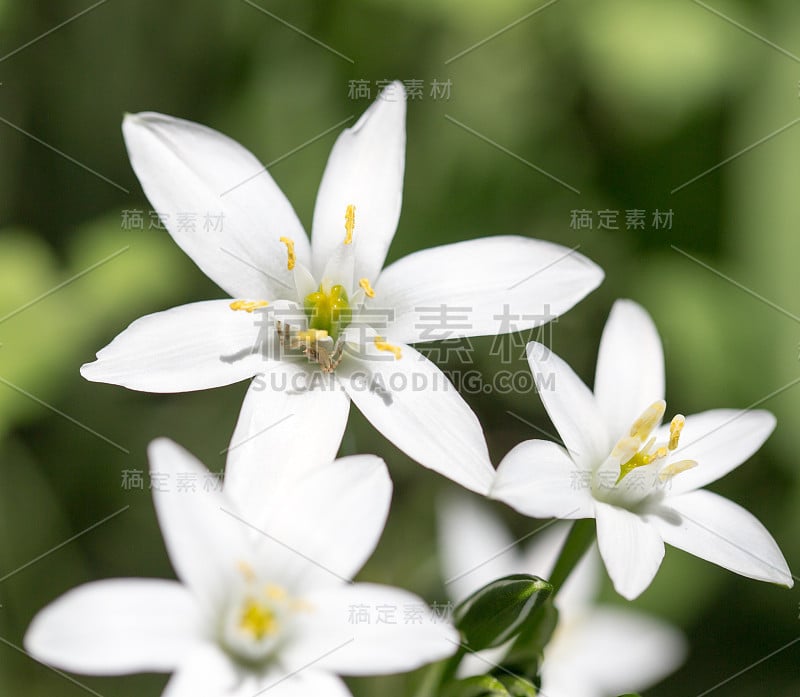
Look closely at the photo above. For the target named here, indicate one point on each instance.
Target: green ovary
(328, 311)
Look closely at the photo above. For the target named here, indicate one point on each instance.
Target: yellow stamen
(349, 223)
(257, 620)
(626, 449)
(247, 571)
(675, 428)
(382, 345)
(641, 459)
(289, 242)
(274, 592)
(297, 605)
(364, 283)
(675, 468)
(247, 305)
(649, 419)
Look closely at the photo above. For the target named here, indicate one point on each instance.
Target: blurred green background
(624, 100)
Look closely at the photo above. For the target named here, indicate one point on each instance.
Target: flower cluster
(265, 596)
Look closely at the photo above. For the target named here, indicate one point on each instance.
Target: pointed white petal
(117, 627)
(365, 169)
(205, 543)
(571, 406)
(189, 172)
(191, 347)
(309, 682)
(631, 547)
(476, 548)
(292, 420)
(529, 282)
(630, 367)
(608, 652)
(539, 479)
(719, 441)
(322, 529)
(399, 633)
(415, 406)
(713, 528)
(207, 672)
(482, 662)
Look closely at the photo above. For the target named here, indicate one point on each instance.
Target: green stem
(578, 541)
(437, 675)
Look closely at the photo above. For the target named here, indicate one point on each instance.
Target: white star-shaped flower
(595, 651)
(301, 311)
(640, 480)
(260, 607)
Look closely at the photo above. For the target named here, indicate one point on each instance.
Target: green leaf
(517, 686)
(526, 653)
(479, 686)
(499, 611)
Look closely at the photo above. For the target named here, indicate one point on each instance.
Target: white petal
(189, 172)
(571, 406)
(539, 479)
(191, 347)
(415, 406)
(365, 169)
(476, 547)
(205, 542)
(309, 682)
(207, 672)
(116, 627)
(482, 662)
(392, 638)
(631, 548)
(719, 441)
(322, 529)
(292, 420)
(722, 532)
(608, 652)
(479, 282)
(630, 367)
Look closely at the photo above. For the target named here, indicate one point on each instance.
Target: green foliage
(500, 610)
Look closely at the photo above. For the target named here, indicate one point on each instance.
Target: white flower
(641, 481)
(331, 302)
(595, 651)
(259, 608)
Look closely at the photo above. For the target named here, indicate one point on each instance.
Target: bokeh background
(623, 100)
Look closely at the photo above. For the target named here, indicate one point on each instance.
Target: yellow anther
(649, 419)
(289, 242)
(675, 428)
(258, 620)
(297, 605)
(349, 223)
(364, 283)
(382, 345)
(247, 571)
(675, 468)
(247, 305)
(274, 592)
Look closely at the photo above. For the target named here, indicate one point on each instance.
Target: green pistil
(328, 311)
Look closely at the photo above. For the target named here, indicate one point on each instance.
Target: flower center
(639, 466)
(328, 310)
(258, 618)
